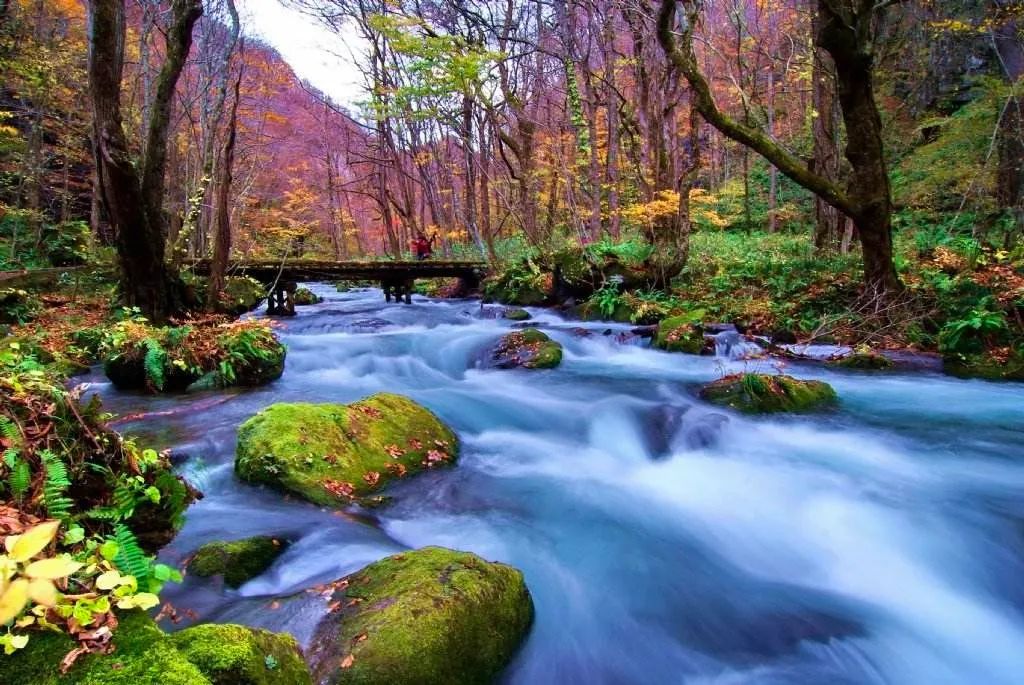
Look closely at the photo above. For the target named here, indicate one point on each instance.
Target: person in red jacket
(422, 247)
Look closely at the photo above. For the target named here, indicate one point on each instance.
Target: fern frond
(20, 478)
(153, 362)
(130, 558)
(58, 505)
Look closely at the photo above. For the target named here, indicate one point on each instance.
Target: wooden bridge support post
(282, 302)
(401, 290)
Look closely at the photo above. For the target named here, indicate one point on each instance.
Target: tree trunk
(828, 221)
(134, 202)
(222, 210)
(1010, 172)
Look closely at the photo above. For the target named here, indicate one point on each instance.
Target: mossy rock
(334, 454)
(17, 306)
(865, 361)
(679, 334)
(236, 655)
(238, 561)
(304, 296)
(142, 655)
(755, 393)
(241, 294)
(432, 615)
(985, 367)
(516, 314)
(529, 349)
(145, 655)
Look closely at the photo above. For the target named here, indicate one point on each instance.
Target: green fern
(58, 505)
(10, 431)
(130, 558)
(153, 362)
(20, 477)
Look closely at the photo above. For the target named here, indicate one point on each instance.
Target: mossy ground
(427, 616)
(529, 349)
(754, 393)
(334, 453)
(238, 561)
(679, 334)
(221, 654)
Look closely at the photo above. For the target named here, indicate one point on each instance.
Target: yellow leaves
(13, 600)
(142, 600)
(30, 543)
(52, 569)
(42, 591)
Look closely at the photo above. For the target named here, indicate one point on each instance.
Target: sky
(317, 55)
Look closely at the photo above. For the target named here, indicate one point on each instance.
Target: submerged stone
(238, 561)
(432, 615)
(754, 393)
(678, 334)
(336, 453)
(529, 349)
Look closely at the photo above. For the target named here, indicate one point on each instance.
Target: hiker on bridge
(423, 247)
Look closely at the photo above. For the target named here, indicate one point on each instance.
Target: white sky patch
(317, 55)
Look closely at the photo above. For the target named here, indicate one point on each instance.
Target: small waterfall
(729, 344)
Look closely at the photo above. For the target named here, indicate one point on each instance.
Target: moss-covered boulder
(236, 655)
(238, 561)
(1004, 367)
(863, 360)
(137, 356)
(432, 615)
(524, 283)
(334, 454)
(755, 393)
(679, 334)
(145, 655)
(516, 314)
(304, 297)
(241, 294)
(529, 349)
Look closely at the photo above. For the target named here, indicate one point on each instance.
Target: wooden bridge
(395, 278)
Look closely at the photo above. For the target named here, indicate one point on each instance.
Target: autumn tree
(846, 30)
(133, 193)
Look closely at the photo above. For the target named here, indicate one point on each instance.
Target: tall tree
(133, 194)
(847, 31)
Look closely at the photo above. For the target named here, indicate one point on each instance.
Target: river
(664, 541)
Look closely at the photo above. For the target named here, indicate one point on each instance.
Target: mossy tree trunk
(131, 194)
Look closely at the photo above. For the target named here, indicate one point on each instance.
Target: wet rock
(754, 393)
(679, 334)
(516, 314)
(334, 454)
(431, 615)
(237, 655)
(783, 336)
(238, 561)
(645, 331)
(304, 297)
(368, 325)
(702, 430)
(715, 328)
(529, 349)
(865, 360)
(660, 427)
(985, 366)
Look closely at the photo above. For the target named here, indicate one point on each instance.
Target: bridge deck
(308, 270)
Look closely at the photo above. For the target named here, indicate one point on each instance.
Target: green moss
(236, 655)
(427, 616)
(754, 393)
(237, 561)
(516, 314)
(529, 349)
(679, 334)
(142, 655)
(333, 453)
(864, 361)
(305, 296)
(984, 366)
(241, 294)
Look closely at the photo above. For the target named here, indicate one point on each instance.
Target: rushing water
(664, 541)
